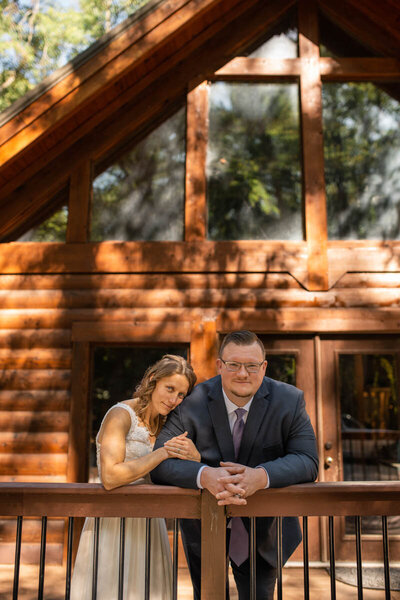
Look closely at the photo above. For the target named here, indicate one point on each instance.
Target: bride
(125, 454)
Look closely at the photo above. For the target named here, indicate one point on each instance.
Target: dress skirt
(134, 564)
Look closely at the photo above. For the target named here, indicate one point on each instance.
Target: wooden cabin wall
(37, 313)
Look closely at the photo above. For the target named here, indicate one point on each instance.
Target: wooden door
(292, 359)
(361, 429)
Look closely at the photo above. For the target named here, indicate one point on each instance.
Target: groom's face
(241, 385)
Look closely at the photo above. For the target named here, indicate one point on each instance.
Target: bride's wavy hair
(170, 364)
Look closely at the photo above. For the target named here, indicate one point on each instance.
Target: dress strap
(130, 411)
(120, 405)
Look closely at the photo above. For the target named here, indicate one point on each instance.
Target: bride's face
(168, 394)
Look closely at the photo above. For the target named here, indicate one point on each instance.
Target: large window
(253, 166)
(362, 161)
(141, 195)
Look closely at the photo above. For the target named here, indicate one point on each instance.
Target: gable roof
(133, 78)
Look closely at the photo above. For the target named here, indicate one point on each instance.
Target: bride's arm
(114, 471)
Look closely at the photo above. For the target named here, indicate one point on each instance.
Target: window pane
(370, 430)
(116, 373)
(281, 40)
(54, 229)
(141, 196)
(253, 162)
(282, 367)
(362, 161)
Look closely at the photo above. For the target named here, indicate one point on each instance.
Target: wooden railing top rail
(313, 499)
(91, 499)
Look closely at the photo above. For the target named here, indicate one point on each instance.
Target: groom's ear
(219, 365)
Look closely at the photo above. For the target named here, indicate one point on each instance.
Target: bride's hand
(182, 447)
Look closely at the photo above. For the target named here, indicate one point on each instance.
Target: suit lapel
(255, 418)
(219, 417)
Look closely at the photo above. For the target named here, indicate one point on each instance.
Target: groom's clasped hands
(232, 483)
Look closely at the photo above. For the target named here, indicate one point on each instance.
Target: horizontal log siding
(37, 313)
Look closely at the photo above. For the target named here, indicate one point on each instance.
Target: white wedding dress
(137, 444)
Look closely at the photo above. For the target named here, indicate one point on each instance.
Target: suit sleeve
(174, 471)
(299, 464)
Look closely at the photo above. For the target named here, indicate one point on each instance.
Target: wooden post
(77, 468)
(204, 348)
(80, 195)
(213, 548)
(196, 154)
(316, 229)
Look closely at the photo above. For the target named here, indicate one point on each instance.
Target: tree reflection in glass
(253, 162)
(362, 161)
(141, 195)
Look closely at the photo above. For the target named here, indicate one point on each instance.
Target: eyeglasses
(235, 367)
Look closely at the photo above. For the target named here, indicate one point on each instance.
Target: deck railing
(91, 500)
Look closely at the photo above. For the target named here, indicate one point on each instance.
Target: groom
(240, 417)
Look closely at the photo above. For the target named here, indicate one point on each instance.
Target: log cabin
(218, 165)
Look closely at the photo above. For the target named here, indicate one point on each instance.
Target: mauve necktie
(239, 540)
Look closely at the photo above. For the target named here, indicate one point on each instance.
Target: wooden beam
(204, 348)
(196, 156)
(312, 320)
(359, 69)
(259, 69)
(78, 441)
(316, 230)
(126, 331)
(80, 195)
(154, 257)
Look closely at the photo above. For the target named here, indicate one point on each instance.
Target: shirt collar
(231, 407)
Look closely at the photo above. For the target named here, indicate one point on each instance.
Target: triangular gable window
(141, 195)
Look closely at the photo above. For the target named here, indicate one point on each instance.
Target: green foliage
(141, 196)
(54, 229)
(38, 36)
(254, 175)
(362, 158)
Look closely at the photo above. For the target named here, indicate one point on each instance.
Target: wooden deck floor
(292, 585)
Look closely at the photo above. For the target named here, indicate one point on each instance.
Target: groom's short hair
(241, 338)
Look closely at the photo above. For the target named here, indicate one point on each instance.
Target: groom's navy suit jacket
(278, 436)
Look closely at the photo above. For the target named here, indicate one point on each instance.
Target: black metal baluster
(175, 562)
(147, 563)
(359, 558)
(306, 560)
(332, 557)
(17, 560)
(253, 571)
(121, 558)
(69, 558)
(279, 555)
(386, 557)
(96, 532)
(42, 558)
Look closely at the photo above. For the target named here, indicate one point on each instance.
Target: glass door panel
(360, 380)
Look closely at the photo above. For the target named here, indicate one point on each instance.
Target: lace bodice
(137, 439)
